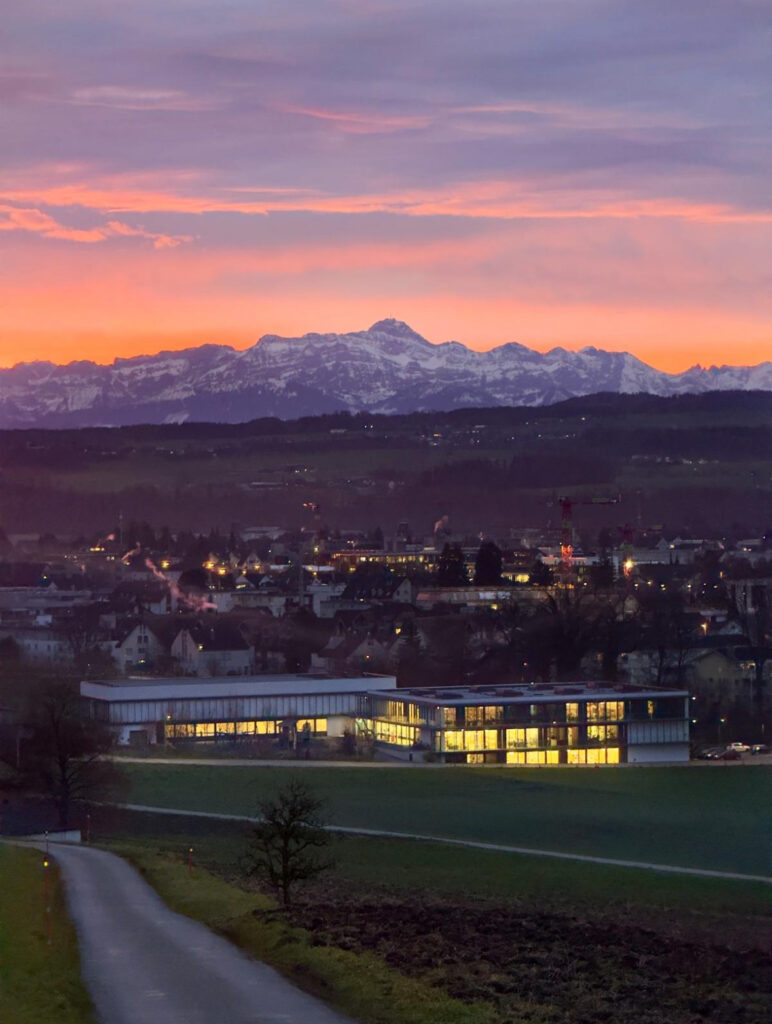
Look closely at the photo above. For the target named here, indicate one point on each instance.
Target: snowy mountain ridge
(388, 368)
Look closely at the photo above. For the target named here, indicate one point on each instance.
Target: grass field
(412, 932)
(715, 818)
(401, 866)
(39, 983)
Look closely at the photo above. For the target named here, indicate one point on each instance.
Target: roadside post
(47, 895)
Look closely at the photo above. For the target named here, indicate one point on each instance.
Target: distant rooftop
(187, 688)
(526, 693)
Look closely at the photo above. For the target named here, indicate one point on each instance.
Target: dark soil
(548, 967)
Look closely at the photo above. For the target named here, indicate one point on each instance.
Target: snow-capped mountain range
(387, 369)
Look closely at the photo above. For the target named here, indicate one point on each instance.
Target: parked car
(730, 754)
(741, 748)
(760, 748)
(710, 753)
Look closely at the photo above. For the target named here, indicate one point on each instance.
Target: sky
(551, 172)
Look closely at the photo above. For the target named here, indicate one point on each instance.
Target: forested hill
(699, 462)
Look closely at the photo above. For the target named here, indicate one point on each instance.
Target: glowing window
(414, 713)
(593, 711)
(515, 737)
(205, 729)
(532, 737)
(475, 758)
(577, 756)
(226, 728)
(245, 727)
(615, 709)
(398, 735)
(515, 757)
(612, 755)
(454, 739)
(316, 725)
(555, 736)
(474, 739)
(572, 712)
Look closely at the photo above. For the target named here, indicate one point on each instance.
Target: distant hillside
(699, 463)
(388, 368)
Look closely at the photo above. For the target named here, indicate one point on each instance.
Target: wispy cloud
(489, 199)
(121, 97)
(362, 122)
(15, 218)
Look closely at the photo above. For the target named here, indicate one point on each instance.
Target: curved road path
(145, 964)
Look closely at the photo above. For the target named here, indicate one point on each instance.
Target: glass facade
(232, 730)
(548, 732)
(395, 733)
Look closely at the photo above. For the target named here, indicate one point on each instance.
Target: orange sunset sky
(571, 172)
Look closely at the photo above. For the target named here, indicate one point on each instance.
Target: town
(288, 612)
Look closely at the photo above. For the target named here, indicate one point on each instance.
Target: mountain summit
(388, 368)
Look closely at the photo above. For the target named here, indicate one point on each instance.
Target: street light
(721, 722)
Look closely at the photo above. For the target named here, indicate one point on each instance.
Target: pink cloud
(160, 241)
(498, 199)
(15, 218)
(123, 98)
(361, 123)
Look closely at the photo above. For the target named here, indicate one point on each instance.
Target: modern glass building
(520, 724)
(147, 711)
(531, 724)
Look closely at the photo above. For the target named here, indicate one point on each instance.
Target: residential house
(138, 647)
(211, 648)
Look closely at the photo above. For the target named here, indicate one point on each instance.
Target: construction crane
(626, 552)
(315, 508)
(567, 504)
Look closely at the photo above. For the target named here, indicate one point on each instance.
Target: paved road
(144, 964)
(253, 762)
(673, 869)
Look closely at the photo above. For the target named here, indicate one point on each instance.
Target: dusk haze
(551, 173)
(385, 511)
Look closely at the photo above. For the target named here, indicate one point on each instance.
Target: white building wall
(657, 753)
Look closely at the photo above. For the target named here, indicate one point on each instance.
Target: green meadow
(39, 979)
(715, 818)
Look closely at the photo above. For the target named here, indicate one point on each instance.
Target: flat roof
(187, 688)
(525, 693)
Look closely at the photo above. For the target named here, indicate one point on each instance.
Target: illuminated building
(400, 561)
(150, 711)
(531, 724)
(518, 724)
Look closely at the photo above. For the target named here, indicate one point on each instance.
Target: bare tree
(82, 631)
(285, 845)
(753, 611)
(64, 754)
